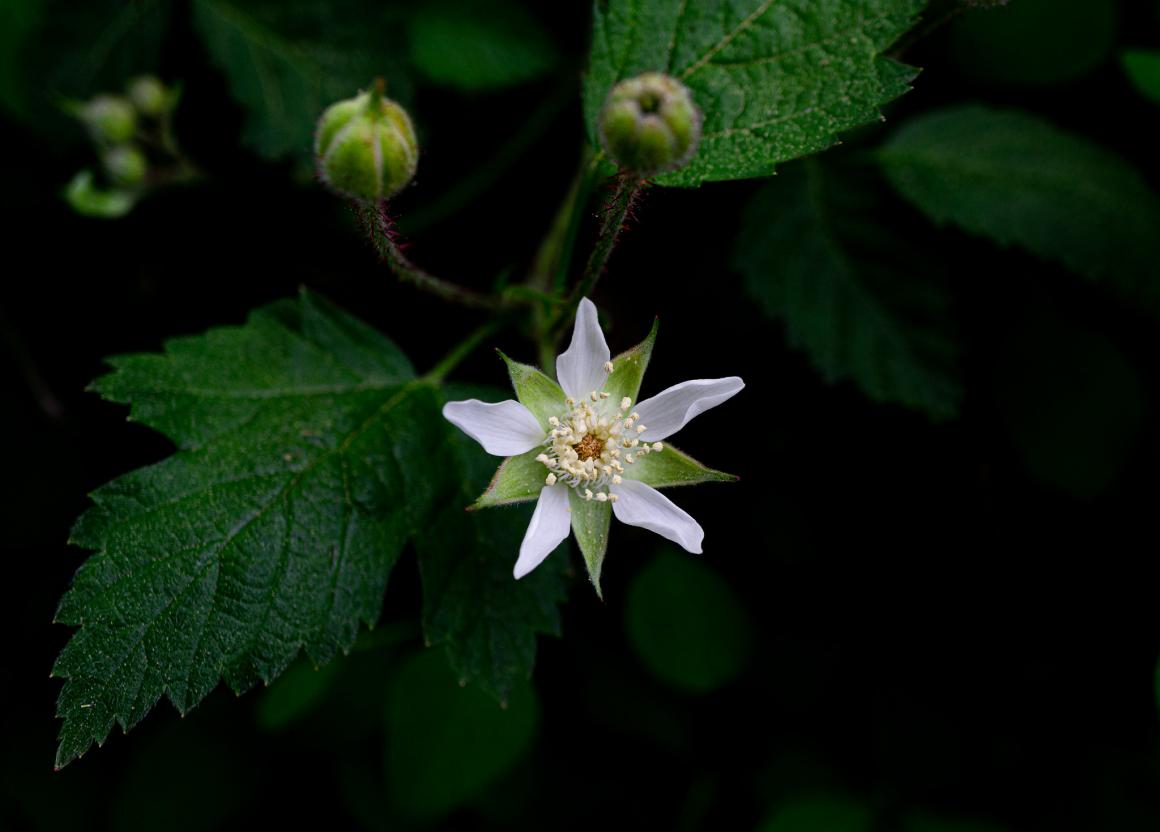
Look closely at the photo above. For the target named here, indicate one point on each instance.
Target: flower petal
(504, 429)
(550, 524)
(670, 410)
(580, 368)
(642, 505)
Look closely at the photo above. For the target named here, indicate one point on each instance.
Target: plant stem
(628, 187)
(381, 231)
(461, 350)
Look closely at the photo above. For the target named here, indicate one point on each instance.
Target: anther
(658, 447)
(608, 366)
(601, 497)
(625, 403)
(551, 479)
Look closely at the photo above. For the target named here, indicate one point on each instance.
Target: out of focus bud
(149, 96)
(110, 118)
(365, 146)
(649, 124)
(125, 165)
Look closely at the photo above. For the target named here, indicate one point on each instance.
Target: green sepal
(628, 368)
(536, 391)
(672, 467)
(518, 480)
(590, 522)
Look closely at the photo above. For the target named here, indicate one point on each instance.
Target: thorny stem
(381, 231)
(463, 349)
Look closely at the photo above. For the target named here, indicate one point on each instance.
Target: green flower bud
(649, 124)
(365, 147)
(149, 96)
(110, 118)
(125, 165)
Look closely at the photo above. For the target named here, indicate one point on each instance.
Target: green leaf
(517, 480)
(19, 21)
(776, 79)
(477, 45)
(591, 520)
(820, 814)
(686, 624)
(629, 367)
(447, 744)
(672, 467)
(296, 693)
(535, 391)
(1142, 67)
(303, 465)
(1019, 180)
(817, 255)
(286, 60)
(471, 602)
(1034, 42)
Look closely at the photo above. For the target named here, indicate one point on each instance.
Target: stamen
(608, 367)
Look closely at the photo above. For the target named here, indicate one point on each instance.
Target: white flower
(585, 453)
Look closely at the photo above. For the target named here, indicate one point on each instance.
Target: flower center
(589, 447)
(590, 444)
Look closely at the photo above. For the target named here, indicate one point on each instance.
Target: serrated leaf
(286, 60)
(672, 467)
(477, 45)
(471, 602)
(852, 294)
(304, 441)
(1020, 180)
(776, 79)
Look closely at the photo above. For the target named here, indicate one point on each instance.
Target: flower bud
(149, 96)
(110, 118)
(365, 147)
(125, 165)
(649, 124)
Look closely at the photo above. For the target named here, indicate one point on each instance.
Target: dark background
(935, 622)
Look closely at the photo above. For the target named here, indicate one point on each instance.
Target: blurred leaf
(296, 693)
(471, 603)
(476, 45)
(446, 744)
(817, 253)
(686, 624)
(1035, 41)
(19, 20)
(1073, 404)
(1143, 68)
(85, 197)
(303, 438)
(1018, 179)
(287, 60)
(775, 80)
(922, 822)
(820, 814)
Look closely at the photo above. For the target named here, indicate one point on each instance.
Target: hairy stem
(627, 189)
(377, 224)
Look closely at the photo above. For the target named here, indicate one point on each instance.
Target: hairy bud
(109, 118)
(649, 124)
(125, 165)
(365, 146)
(150, 96)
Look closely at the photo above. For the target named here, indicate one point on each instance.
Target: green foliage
(297, 692)
(820, 814)
(686, 624)
(1017, 179)
(1143, 69)
(446, 744)
(1035, 41)
(308, 454)
(1073, 403)
(775, 80)
(286, 60)
(471, 602)
(19, 20)
(476, 45)
(817, 255)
